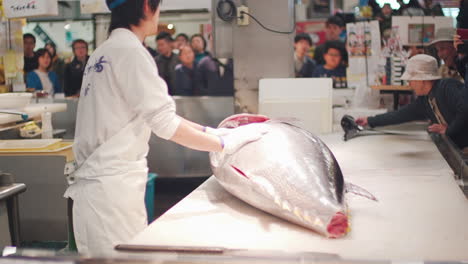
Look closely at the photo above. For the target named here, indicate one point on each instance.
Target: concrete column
(259, 53)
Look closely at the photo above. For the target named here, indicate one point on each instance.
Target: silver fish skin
(289, 173)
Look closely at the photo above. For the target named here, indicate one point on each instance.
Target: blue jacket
(33, 81)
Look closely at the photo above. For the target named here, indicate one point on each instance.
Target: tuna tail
(356, 190)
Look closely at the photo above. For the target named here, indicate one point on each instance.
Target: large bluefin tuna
(289, 173)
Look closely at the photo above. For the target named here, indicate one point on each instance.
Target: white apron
(108, 209)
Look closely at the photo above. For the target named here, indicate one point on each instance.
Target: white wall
(185, 4)
(183, 23)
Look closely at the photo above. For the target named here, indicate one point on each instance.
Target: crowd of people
(184, 63)
(48, 74)
(437, 71)
(330, 58)
(189, 69)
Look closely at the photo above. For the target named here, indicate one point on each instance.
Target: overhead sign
(30, 8)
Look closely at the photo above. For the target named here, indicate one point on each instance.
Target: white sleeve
(146, 93)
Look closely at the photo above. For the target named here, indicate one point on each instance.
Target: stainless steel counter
(421, 215)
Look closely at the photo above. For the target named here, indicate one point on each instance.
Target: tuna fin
(356, 190)
(240, 172)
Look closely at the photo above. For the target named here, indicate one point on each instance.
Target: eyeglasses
(334, 54)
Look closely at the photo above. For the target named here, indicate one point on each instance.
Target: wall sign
(30, 8)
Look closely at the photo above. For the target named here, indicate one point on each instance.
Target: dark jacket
(30, 63)
(166, 68)
(451, 99)
(462, 67)
(74, 76)
(184, 80)
(58, 66)
(307, 69)
(210, 81)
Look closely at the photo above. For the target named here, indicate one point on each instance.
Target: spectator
(152, 51)
(303, 65)
(385, 21)
(75, 69)
(333, 67)
(41, 79)
(443, 101)
(375, 7)
(199, 44)
(414, 50)
(30, 58)
(443, 43)
(462, 18)
(413, 9)
(57, 65)
(431, 9)
(334, 29)
(2, 74)
(185, 72)
(180, 41)
(166, 60)
(402, 7)
(462, 58)
(214, 77)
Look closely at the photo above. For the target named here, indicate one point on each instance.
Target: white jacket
(122, 99)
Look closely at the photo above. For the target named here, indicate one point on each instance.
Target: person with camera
(462, 56)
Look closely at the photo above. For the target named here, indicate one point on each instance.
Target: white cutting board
(27, 143)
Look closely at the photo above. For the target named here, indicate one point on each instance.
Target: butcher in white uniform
(123, 100)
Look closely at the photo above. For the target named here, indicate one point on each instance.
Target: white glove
(240, 136)
(217, 131)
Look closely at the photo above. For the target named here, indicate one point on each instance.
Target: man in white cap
(443, 43)
(442, 101)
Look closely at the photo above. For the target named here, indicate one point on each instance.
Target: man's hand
(437, 128)
(457, 41)
(362, 121)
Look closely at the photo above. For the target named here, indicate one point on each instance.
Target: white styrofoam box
(308, 100)
(30, 8)
(14, 100)
(343, 96)
(339, 112)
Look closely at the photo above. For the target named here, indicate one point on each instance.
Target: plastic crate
(149, 196)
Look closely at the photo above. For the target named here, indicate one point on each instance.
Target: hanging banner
(363, 48)
(30, 8)
(364, 51)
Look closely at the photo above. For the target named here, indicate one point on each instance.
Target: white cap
(443, 34)
(421, 67)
